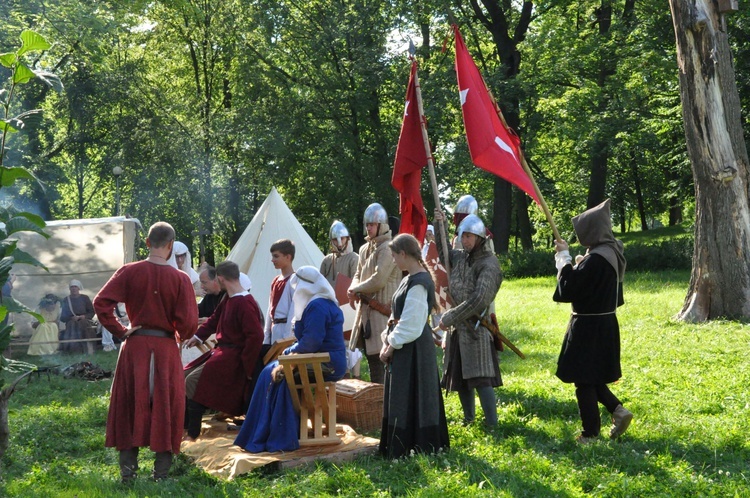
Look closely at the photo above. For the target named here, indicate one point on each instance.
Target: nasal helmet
(472, 224)
(338, 230)
(375, 213)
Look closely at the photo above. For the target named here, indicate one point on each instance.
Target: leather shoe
(621, 419)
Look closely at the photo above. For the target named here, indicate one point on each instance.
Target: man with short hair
(147, 403)
(222, 379)
(280, 307)
(214, 294)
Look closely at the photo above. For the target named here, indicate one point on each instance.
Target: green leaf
(10, 175)
(22, 224)
(31, 40)
(33, 218)
(50, 79)
(28, 118)
(5, 331)
(23, 73)
(7, 246)
(23, 258)
(5, 126)
(6, 265)
(8, 59)
(14, 306)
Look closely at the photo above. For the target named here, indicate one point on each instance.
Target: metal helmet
(472, 224)
(338, 230)
(466, 205)
(375, 213)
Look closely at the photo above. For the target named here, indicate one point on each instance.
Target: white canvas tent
(252, 252)
(89, 250)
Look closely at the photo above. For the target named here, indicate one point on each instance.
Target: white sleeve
(562, 258)
(413, 318)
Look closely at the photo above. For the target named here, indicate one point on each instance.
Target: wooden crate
(359, 404)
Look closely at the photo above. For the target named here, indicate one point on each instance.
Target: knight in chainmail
(470, 361)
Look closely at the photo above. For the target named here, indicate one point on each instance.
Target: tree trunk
(5, 395)
(501, 215)
(497, 21)
(675, 210)
(4, 431)
(522, 218)
(639, 196)
(720, 279)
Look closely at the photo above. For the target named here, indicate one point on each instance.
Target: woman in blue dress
(271, 423)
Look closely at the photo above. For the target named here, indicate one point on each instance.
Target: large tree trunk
(720, 280)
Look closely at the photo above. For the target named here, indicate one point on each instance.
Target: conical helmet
(375, 213)
(466, 205)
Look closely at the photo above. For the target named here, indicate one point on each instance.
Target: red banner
(493, 146)
(411, 157)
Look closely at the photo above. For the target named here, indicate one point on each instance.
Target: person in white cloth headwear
(183, 262)
(76, 313)
(318, 328)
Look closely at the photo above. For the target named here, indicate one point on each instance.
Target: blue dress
(271, 424)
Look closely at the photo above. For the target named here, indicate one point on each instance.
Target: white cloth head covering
(308, 284)
(245, 282)
(187, 266)
(76, 283)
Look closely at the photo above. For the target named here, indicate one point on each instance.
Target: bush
(658, 255)
(672, 254)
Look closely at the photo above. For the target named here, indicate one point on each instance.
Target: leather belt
(153, 333)
(279, 320)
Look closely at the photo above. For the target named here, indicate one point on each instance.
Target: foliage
(685, 383)
(207, 105)
(12, 220)
(668, 248)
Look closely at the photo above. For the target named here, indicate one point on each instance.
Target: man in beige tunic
(372, 288)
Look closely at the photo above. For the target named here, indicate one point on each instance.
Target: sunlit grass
(686, 384)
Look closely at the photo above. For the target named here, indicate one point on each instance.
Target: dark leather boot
(195, 413)
(162, 464)
(129, 465)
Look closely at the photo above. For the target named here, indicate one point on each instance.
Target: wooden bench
(313, 399)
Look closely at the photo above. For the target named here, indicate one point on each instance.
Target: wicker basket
(359, 404)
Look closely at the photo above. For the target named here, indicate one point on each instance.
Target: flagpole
(431, 169)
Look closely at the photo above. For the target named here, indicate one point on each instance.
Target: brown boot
(162, 464)
(621, 419)
(128, 465)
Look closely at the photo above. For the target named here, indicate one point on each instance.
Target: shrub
(657, 255)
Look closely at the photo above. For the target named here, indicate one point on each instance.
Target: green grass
(686, 384)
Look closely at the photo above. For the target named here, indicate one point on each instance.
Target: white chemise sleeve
(413, 318)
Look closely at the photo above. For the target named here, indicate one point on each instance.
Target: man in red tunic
(221, 379)
(147, 405)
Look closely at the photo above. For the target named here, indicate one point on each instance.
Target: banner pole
(431, 169)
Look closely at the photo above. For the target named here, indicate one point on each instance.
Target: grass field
(686, 384)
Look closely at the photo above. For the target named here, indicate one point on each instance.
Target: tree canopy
(207, 104)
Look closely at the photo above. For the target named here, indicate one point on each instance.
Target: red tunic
(156, 297)
(225, 380)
